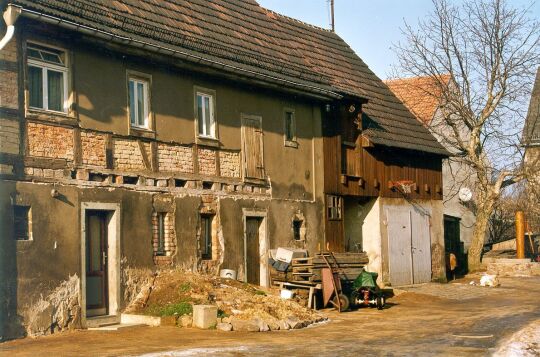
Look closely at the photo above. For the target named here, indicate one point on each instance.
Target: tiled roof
(422, 95)
(531, 131)
(243, 34)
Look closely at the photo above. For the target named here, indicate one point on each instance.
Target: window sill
(207, 141)
(291, 144)
(50, 116)
(142, 132)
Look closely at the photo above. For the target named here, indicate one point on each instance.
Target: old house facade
(424, 98)
(531, 142)
(200, 134)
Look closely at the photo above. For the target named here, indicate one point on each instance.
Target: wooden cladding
(252, 147)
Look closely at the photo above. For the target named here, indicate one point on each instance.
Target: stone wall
(93, 149)
(207, 162)
(8, 73)
(128, 156)
(175, 158)
(229, 163)
(9, 136)
(50, 141)
(513, 267)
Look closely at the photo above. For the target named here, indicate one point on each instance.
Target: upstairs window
(22, 223)
(290, 128)
(47, 78)
(205, 115)
(138, 103)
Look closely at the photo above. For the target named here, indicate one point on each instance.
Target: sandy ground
(428, 321)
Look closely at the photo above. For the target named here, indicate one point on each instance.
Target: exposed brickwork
(93, 149)
(169, 246)
(8, 84)
(50, 141)
(229, 163)
(207, 162)
(175, 158)
(127, 155)
(9, 136)
(6, 169)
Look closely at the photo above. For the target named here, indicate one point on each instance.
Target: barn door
(252, 147)
(421, 247)
(399, 246)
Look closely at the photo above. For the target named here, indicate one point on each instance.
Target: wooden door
(399, 246)
(421, 247)
(252, 147)
(96, 263)
(253, 255)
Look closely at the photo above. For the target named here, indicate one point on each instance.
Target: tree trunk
(479, 235)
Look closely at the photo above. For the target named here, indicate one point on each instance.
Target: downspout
(10, 16)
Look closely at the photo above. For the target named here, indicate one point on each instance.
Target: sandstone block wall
(175, 158)
(207, 162)
(9, 136)
(229, 164)
(8, 73)
(50, 141)
(128, 156)
(93, 149)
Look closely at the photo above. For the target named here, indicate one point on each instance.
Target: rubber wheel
(380, 302)
(343, 300)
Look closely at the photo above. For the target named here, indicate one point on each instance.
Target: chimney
(332, 19)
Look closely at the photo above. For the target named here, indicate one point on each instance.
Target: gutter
(10, 16)
(176, 53)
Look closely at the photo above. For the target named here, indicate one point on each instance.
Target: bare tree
(490, 51)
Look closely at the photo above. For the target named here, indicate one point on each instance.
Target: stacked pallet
(349, 266)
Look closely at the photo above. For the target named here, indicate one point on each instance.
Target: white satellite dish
(465, 194)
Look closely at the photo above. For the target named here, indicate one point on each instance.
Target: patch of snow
(524, 343)
(195, 352)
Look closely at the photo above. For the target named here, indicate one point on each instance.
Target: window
(334, 204)
(22, 223)
(205, 115)
(297, 226)
(290, 128)
(206, 237)
(47, 78)
(161, 233)
(138, 103)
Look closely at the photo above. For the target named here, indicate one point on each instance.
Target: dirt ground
(429, 320)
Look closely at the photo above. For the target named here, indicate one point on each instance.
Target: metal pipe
(520, 235)
(10, 16)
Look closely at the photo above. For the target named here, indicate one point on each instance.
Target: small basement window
(22, 223)
(297, 227)
(163, 233)
(206, 237)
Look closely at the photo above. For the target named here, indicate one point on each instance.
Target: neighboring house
(423, 97)
(195, 134)
(531, 141)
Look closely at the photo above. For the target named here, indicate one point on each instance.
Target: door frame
(113, 254)
(264, 243)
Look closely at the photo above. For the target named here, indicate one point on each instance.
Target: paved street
(432, 320)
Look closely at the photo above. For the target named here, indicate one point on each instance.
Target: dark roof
(244, 35)
(531, 131)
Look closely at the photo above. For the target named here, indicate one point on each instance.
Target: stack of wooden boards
(308, 270)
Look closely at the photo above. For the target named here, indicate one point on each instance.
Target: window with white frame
(334, 206)
(47, 78)
(138, 103)
(205, 115)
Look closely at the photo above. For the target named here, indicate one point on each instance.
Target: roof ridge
(295, 20)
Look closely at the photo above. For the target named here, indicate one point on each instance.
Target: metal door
(253, 256)
(96, 263)
(421, 247)
(399, 246)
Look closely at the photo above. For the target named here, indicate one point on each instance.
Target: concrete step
(115, 327)
(98, 321)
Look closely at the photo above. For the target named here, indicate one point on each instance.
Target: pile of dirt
(175, 291)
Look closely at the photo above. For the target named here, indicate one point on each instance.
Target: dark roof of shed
(531, 131)
(242, 33)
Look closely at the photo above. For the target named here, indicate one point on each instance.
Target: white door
(399, 246)
(421, 247)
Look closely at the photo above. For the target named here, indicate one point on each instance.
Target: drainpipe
(10, 16)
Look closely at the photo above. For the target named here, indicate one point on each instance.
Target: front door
(96, 263)
(253, 255)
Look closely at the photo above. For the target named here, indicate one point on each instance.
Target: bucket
(228, 274)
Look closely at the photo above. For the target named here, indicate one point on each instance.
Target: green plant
(221, 314)
(180, 308)
(260, 292)
(184, 287)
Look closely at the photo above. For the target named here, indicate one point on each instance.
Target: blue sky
(370, 27)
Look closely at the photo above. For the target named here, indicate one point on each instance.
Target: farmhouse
(140, 135)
